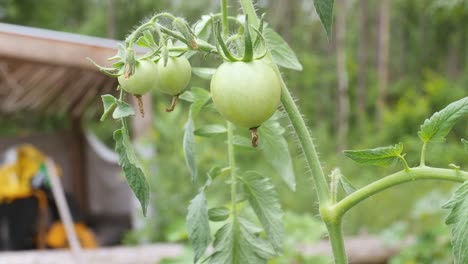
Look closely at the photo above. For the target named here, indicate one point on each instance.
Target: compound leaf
(132, 168)
(282, 54)
(235, 243)
(439, 125)
(122, 110)
(198, 226)
(264, 201)
(199, 97)
(458, 220)
(275, 148)
(384, 156)
(189, 147)
(324, 10)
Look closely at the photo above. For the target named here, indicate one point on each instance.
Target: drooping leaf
(235, 243)
(122, 110)
(189, 147)
(132, 168)
(347, 185)
(384, 156)
(275, 148)
(204, 73)
(437, 127)
(199, 97)
(218, 214)
(264, 201)
(211, 130)
(324, 10)
(458, 220)
(109, 102)
(109, 71)
(465, 144)
(282, 54)
(198, 226)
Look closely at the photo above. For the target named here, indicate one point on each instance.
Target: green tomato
(142, 80)
(246, 93)
(174, 77)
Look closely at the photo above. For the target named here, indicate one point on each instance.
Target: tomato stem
(173, 103)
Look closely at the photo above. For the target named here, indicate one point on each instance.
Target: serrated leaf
(276, 151)
(384, 156)
(263, 198)
(347, 185)
(189, 147)
(198, 226)
(218, 214)
(282, 54)
(204, 73)
(132, 168)
(458, 220)
(324, 10)
(199, 97)
(465, 144)
(122, 110)
(235, 244)
(437, 127)
(211, 130)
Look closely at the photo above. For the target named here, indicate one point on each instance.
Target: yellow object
(15, 179)
(57, 238)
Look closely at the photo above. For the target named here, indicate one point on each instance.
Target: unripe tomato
(175, 76)
(142, 80)
(246, 93)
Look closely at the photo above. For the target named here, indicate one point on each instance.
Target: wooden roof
(45, 71)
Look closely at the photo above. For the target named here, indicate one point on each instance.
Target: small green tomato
(174, 77)
(142, 80)
(246, 93)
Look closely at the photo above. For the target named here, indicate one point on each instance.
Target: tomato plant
(246, 90)
(142, 81)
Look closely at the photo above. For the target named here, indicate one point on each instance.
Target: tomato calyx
(249, 45)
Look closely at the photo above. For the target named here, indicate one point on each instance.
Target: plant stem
(335, 232)
(224, 13)
(423, 155)
(419, 173)
(232, 165)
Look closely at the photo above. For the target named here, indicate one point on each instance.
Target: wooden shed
(43, 73)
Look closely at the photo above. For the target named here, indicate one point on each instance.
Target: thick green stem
(423, 155)
(335, 233)
(419, 173)
(232, 165)
(224, 14)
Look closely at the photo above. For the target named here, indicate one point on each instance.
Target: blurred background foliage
(426, 68)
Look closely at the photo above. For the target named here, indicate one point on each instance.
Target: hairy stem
(335, 232)
(224, 13)
(232, 165)
(419, 173)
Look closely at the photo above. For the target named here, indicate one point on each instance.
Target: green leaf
(109, 103)
(211, 130)
(123, 110)
(241, 141)
(282, 54)
(235, 243)
(465, 144)
(147, 40)
(132, 168)
(109, 71)
(189, 147)
(458, 220)
(264, 201)
(275, 148)
(198, 226)
(439, 125)
(218, 214)
(203, 27)
(199, 97)
(384, 156)
(347, 185)
(324, 10)
(204, 73)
